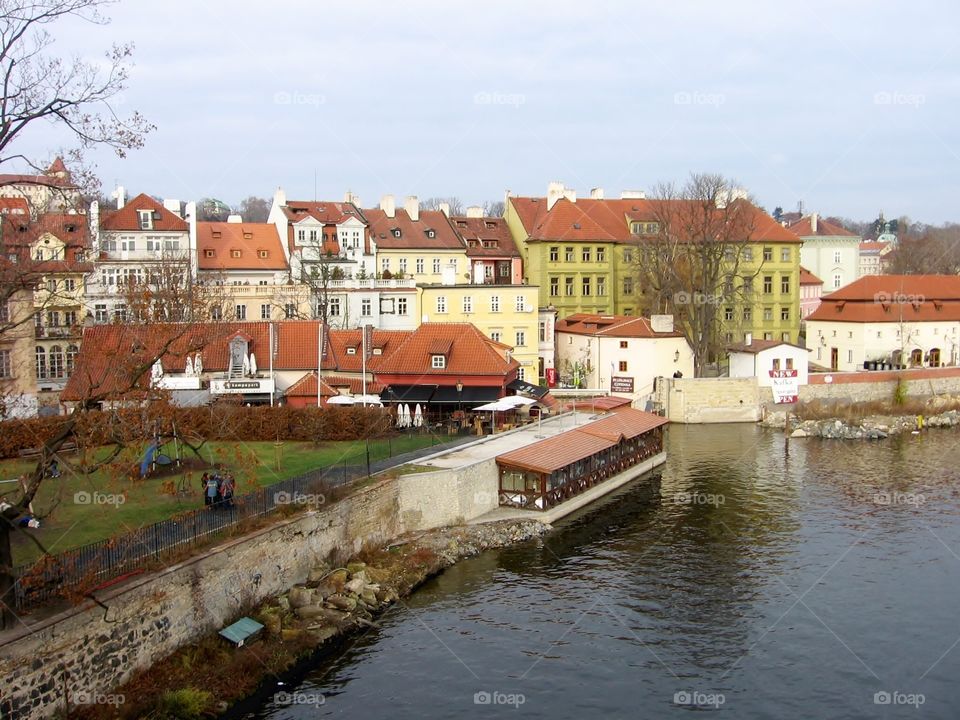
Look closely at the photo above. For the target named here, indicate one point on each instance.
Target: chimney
(596, 193)
(191, 212)
(748, 339)
(633, 195)
(120, 195)
(388, 205)
(474, 211)
(279, 197)
(445, 208)
(173, 206)
(813, 222)
(412, 206)
(555, 191)
(350, 197)
(235, 219)
(95, 225)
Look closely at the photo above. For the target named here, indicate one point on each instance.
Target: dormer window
(248, 236)
(431, 233)
(378, 351)
(216, 234)
(438, 362)
(396, 232)
(490, 224)
(263, 254)
(209, 252)
(235, 253)
(146, 219)
(351, 351)
(490, 243)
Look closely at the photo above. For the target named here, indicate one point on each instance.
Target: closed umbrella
(418, 416)
(253, 364)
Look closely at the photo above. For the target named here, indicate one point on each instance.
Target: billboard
(785, 385)
(620, 384)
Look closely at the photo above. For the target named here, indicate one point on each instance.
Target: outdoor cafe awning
(522, 386)
(468, 396)
(408, 393)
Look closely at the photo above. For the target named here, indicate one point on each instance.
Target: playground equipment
(154, 457)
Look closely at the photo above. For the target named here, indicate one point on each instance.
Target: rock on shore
(870, 428)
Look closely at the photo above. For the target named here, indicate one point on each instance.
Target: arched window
(934, 357)
(72, 351)
(41, 363)
(56, 361)
(916, 357)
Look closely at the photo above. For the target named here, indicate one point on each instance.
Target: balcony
(42, 333)
(371, 284)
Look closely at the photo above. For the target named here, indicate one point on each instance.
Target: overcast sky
(851, 107)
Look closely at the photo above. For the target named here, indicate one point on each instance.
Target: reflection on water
(754, 577)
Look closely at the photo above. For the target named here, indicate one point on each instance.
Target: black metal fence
(86, 568)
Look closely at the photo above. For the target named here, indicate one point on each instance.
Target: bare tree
(697, 258)
(254, 209)
(434, 203)
(494, 208)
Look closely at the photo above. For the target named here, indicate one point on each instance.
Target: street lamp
(459, 400)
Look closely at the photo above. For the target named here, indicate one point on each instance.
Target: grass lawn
(77, 509)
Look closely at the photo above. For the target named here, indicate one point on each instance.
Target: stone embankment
(874, 427)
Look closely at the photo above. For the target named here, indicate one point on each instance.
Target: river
(744, 579)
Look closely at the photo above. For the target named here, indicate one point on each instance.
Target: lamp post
(460, 401)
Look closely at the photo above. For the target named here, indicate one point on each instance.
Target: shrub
(184, 704)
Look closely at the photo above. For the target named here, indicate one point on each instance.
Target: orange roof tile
(893, 298)
(414, 234)
(825, 228)
(808, 278)
(490, 230)
(610, 326)
(470, 353)
(128, 218)
(14, 206)
(307, 387)
(258, 245)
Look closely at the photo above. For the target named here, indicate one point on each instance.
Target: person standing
(213, 489)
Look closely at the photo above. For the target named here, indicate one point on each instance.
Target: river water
(748, 580)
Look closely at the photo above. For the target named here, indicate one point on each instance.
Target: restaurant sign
(619, 384)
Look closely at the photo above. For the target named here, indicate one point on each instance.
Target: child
(213, 489)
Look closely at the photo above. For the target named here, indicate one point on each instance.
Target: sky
(849, 107)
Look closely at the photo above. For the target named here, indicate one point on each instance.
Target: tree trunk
(7, 579)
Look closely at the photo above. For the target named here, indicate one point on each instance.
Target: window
(53, 319)
(494, 303)
(789, 363)
(776, 363)
(784, 313)
(585, 255)
(56, 361)
(554, 254)
(628, 255)
(768, 313)
(601, 255)
(785, 254)
(453, 264)
(519, 304)
(628, 286)
(385, 264)
(568, 254)
(69, 284)
(768, 254)
(785, 285)
(403, 264)
(289, 311)
(333, 307)
(131, 245)
(521, 338)
(401, 306)
(301, 235)
(728, 313)
(747, 254)
(748, 283)
(438, 361)
(601, 286)
(836, 280)
(768, 336)
(767, 284)
(146, 219)
(436, 265)
(396, 232)
(351, 351)
(622, 366)
(70, 318)
(262, 254)
(419, 265)
(264, 312)
(467, 304)
(554, 287)
(849, 356)
(543, 331)
(241, 312)
(624, 344)
(216, 313)
(431, 233)
(569, 287)
(100, 313)
(836, 257)
(441, 304)
(6, 368)
(41, 363)
(586, 286)
(495, 335)
(748, 314)
(366, 308)
(521, 373)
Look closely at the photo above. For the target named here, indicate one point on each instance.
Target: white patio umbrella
(246, 364)
(341, 400)
(198, 364)
(189, 369)
(515, 401)
(418, 416)
(253, 364)
(405, 411)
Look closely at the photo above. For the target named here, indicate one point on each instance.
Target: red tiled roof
(128, 218)
(470, 353)
(602, 404)
(569, 447)
(825, 228)
(307, 387)
(413, 234)
(872, 246)
(354, 384)
(322, 211)
(19, 232)
(51, 180)
(808, 278)
(387, 341)
(490, 229)
(250, 239)
(14, 206)
(610, 326)
(893, 298)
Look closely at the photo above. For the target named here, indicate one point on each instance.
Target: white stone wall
(712, 400)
